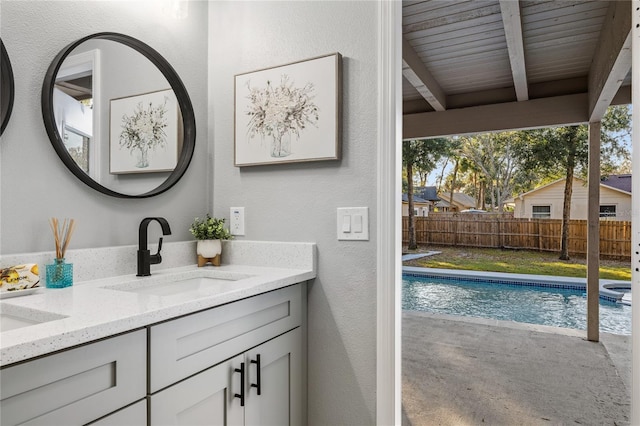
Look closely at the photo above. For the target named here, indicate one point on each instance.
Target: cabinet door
(204, 399)
(279, 380)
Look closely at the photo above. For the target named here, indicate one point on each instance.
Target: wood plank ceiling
(482, 65)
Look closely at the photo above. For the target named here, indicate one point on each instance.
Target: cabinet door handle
(257, 384)
(241, 394)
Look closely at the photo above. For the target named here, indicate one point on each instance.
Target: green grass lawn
(516, 261)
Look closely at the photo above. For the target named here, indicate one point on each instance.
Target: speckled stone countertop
(100, 308)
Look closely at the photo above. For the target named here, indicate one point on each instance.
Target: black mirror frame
(7, 89)
(184, 102)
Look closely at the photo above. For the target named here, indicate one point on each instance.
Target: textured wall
(283, 202)
(297, 202)
(34, 183)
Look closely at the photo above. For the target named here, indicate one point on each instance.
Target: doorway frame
(389, 246)
(388, 209)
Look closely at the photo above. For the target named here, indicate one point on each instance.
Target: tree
(422, 154)
(469, 180)
(564, 151)
(494, 154)
(461, 166)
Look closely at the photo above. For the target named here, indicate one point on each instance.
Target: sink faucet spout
(145, 258)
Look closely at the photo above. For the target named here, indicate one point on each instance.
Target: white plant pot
(209, 248)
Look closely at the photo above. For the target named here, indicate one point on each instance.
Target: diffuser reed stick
(62, 234)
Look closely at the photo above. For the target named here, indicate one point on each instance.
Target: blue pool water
(529, 304)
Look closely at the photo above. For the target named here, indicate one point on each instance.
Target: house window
(608, 211)
(541, 212)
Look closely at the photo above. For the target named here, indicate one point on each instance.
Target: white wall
(297, 202)
(422, 209)
(34, 183)
(553, 195)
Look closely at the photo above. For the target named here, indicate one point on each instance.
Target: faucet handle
(156, 258)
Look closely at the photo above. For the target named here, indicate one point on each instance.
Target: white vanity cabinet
(208, 368)
(76, 386)
(241, 363)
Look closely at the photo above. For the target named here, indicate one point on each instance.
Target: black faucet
(145, 258)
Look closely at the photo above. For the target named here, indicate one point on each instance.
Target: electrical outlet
(236, 224)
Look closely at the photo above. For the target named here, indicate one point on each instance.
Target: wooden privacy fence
(505, 231)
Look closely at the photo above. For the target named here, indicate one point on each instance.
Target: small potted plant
(209, 231)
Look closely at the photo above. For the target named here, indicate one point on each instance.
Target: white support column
(593, 235)
(635, 219)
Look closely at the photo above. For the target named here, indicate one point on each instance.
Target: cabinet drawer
(135, 414)
(183, 347)
(76, 386)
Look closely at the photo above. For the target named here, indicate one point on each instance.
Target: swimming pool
(559, 307)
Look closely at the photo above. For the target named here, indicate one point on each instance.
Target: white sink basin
(198, 284)
(12, 317)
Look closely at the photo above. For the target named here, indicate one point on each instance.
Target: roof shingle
(621, 182)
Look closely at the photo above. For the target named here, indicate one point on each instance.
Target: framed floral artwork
(143, 133)
(290, 113)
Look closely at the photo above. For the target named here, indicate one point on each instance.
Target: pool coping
(607, 287)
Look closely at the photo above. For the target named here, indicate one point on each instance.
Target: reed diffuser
(60, 273)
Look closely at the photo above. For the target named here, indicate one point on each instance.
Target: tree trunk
(476, 186)
(566, 214)
(439, 180)
(493, 195)
(453, 184)
(412, 221)
(568, 190)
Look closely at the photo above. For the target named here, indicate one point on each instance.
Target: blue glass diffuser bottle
(59, 274)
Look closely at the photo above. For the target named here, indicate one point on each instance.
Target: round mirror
(6, 87)
(118, 116)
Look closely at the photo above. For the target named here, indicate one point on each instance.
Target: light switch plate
(353, 223)
(236, 222)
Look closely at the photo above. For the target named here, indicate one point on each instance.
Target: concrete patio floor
(470, 371)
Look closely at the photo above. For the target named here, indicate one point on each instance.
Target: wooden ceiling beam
(569, 86)
(513, 32)
(545, 112)
(612, 59)
(416, 73)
